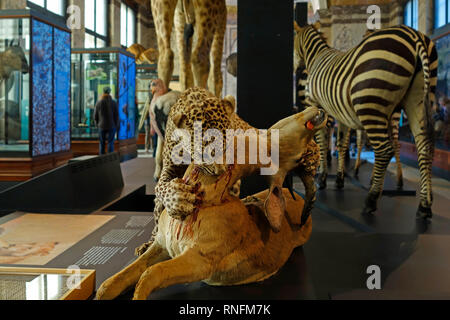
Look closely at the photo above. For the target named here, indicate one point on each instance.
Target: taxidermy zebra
(323, 138)
(363, 87)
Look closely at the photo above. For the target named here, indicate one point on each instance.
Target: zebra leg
(383, 155)
(424, 138)
(359, 145)
(322, 141)
(343, 140)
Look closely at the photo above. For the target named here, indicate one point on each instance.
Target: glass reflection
(33, 286)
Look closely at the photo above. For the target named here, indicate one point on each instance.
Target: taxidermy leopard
(198, 104)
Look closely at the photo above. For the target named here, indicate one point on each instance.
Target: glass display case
(34, 85)
(144, 75)
(93, 70)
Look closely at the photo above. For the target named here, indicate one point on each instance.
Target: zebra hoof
(340, 181)
(424, 213)
(370, 204)
(322, 181)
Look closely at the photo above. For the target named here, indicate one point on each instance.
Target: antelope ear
(176, 118)
(274, 207)
(230, 104)
(297, 27)
(316, 25)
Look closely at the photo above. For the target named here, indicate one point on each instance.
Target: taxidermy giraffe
(227, 241)
(200, 27)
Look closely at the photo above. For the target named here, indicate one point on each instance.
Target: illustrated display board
(51, 89)
(44, 236)
(61, 89)
(104, 242)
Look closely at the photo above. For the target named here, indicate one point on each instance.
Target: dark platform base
(127, 149)
(78, 187)
(23, 169)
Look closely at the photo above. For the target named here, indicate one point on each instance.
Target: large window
(411, 14)
(441, 13)
(55, 6)
(96, 17)
(127, 26)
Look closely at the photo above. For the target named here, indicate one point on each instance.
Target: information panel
(62, 90)
(42, 110)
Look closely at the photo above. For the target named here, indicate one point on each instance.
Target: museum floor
(413, 256)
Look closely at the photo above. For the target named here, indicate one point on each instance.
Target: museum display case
(145, 73)
(45, 284)
(93, 70)
(34, 94)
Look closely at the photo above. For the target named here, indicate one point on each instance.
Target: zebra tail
(425, 59)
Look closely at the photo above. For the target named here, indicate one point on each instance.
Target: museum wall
(344, 23)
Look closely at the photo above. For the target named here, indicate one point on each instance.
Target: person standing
(107, 120)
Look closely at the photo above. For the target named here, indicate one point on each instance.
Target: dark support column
(265, 67)
(301, 13)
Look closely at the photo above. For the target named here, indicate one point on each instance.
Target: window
(127, 26)
(55, 6)
(96, 17)
(441, 13)
(411, 14)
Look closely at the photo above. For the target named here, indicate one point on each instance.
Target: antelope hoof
(424, 213)
(400, 184)
(356, 172)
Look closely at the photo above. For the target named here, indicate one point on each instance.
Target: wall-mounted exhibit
(34, 94)
(92, 71)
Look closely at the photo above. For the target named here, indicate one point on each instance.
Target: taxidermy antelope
(228, 241)
(12, 59)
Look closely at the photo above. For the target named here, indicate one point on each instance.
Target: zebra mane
(320, 33)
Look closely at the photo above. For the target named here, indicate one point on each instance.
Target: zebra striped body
(323, 137)
(363, 87)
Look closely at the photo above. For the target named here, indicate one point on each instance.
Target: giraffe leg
(184, 48)
(343, 140)
(215, 82)
(163, 15)
(204, 31)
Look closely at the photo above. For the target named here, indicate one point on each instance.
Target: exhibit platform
(127, 149)
(25, 168)
(413, 256)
